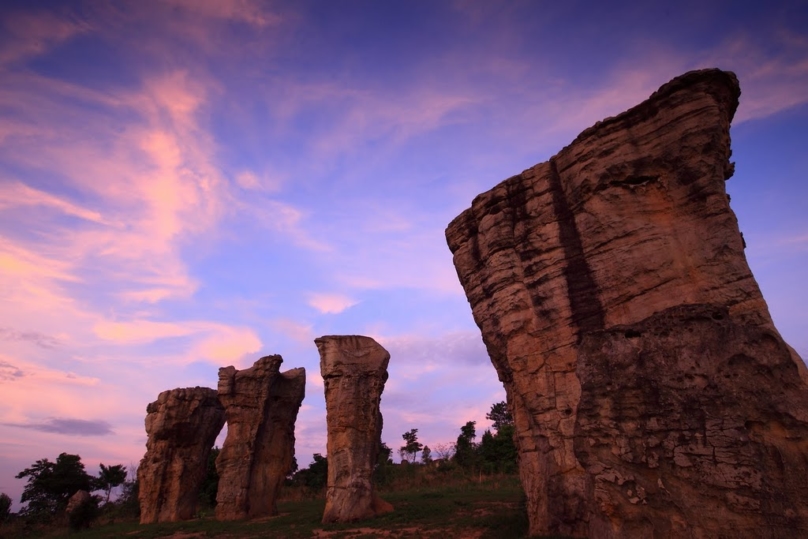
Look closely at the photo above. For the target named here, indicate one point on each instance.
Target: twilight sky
(191, 184)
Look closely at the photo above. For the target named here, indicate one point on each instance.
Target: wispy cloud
(70, 427)
(39, 339)
(331, 303)
(252, 12)
(770, 82)
(297, 331)
(29, 34)
(9, 372)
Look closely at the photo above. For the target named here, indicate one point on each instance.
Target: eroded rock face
(181, 425)
(692, 424)
(261, 406)
(618, 232)
(354, 370)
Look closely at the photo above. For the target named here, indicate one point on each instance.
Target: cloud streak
(39, 339)
(70, 427)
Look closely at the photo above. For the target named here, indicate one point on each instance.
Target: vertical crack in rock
(587, 312)
(651, 392)
(261, 406)
(181, 426)
(354, 370)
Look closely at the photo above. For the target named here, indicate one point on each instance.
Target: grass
(486, 509)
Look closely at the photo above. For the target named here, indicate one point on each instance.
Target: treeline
(494, 453)
(51, 484)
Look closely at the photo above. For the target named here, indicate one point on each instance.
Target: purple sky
(190, 184)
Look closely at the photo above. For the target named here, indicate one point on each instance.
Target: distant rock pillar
(181, 426)
(261, 406)
(354, 370)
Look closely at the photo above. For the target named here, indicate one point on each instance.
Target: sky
(191, 184)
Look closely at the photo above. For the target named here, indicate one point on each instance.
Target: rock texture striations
(651, 393)
(181, 426)
(354, 370)
(261, 406)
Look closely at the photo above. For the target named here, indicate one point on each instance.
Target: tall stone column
(261, 406)
(181, 425)
(354, 370)
(651, 392)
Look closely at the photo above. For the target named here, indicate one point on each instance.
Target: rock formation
(651, 393)
(261, 406)
(181, 426)
(354, 370)
(77, 500)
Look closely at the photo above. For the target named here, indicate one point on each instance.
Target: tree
(412, 445)
(444, 451)
(128, 500)
(5, 506)
(110, 477)
(468, 432)
(384, 463)
(465, 447)
(426, 455)
(500, 415)
(50, 484)
(210, 485)
(498, 451)
(315, 476)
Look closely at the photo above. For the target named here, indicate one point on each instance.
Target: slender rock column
(354, 370)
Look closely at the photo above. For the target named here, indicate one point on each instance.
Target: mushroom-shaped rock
(354, 371)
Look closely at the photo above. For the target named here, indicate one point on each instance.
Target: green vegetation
(5, 507)
(409, 451)
(452, 504)
(50, 484)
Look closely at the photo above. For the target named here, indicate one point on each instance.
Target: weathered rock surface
(354, 370)
(594, 278)
(181, 425)
(693, 424)
(261, 405)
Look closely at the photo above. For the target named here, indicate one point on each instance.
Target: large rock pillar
(354, 370)
(181, 425)
(611, 289)
(261, 406)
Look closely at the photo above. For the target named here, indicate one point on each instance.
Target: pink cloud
(252, 12)
(298, 332)
(331, 303)
(15, 194)
(227, 346)
(139, 331)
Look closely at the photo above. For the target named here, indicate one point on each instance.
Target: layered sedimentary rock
(354, 371)
(651, 393)
(181, 426)
(261, 405)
